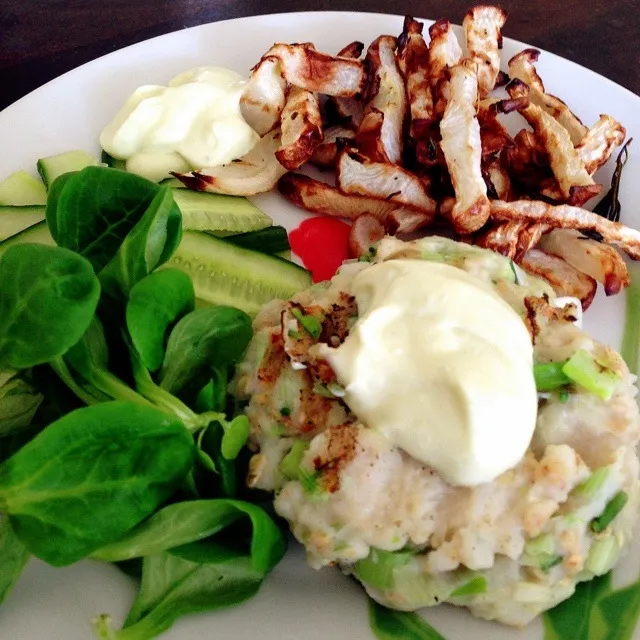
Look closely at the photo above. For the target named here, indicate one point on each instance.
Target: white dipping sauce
(193, 123)
(441, 365)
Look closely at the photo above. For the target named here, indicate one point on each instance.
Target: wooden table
(41, 39)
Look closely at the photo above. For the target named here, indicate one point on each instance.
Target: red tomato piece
(322, 244)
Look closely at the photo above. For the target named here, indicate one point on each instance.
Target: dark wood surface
(41, 39)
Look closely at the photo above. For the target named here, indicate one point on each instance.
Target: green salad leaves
(115, 442)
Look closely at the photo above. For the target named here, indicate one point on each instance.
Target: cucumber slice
(16, 219)
(38, 233)
(223, 273)
(53, 166)
(273, 240)
(114, 163)
(21, 189)
(203, 211)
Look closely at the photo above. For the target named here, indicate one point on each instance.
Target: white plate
(297, 603)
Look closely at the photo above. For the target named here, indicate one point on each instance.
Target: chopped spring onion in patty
(474, 586)
(592, 484)
(602, 555)
(613, 508)
(550, 376)
(586, 371)
(310, 324)
(582, 369)
(290, 465)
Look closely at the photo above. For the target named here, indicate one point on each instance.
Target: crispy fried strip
(599, 142)
(312, 70)
(600, 261)
(264, 96)
(403, 220)
(462, 150)
(353, 50)
(499, 178)
(385, 94)
(482, 26)
(564, 279)
(522, 67)
(347, 111)
(444, 51)
(357, 175)
(301, 128)
(322, 198)
(566, 163)
(512, 239)
(568, 217)
(257, 172)
(502, 238)
(327, 152)
(369, 140)
(413, 59)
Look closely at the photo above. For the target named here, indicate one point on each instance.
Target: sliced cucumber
(114, 163)
(203, 211)
(273, 240)
(223, 273)
(16, 219)
(53, 166)
(21, 189)
(38, 233)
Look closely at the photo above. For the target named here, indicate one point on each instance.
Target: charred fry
(568, 217)
(357, 175)
(598, 260)
(347, 111)
(304, 67)
(257, 172)
(327, 152)
(413, 59)
(563, 278)
(322, 198)
(566, 163)
(386, 97)
(462, 149)
(444, 52)
(599, 142)
(522, 67)
(482, 26)
(264, 96)
(301, 124)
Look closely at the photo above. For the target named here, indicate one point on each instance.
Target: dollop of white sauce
(442, 365)
(193, 123)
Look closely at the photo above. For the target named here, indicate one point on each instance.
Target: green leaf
(172, 587)
(49, 293)
(89, 358)
(621, 611)
(92, 211)
(205, 338)
(211, 445)
(19, 401)
(388, 624)
(184, 522)
(155, 303)
(577, 618)
(148, 245)
(91, 476)
(13, 557)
